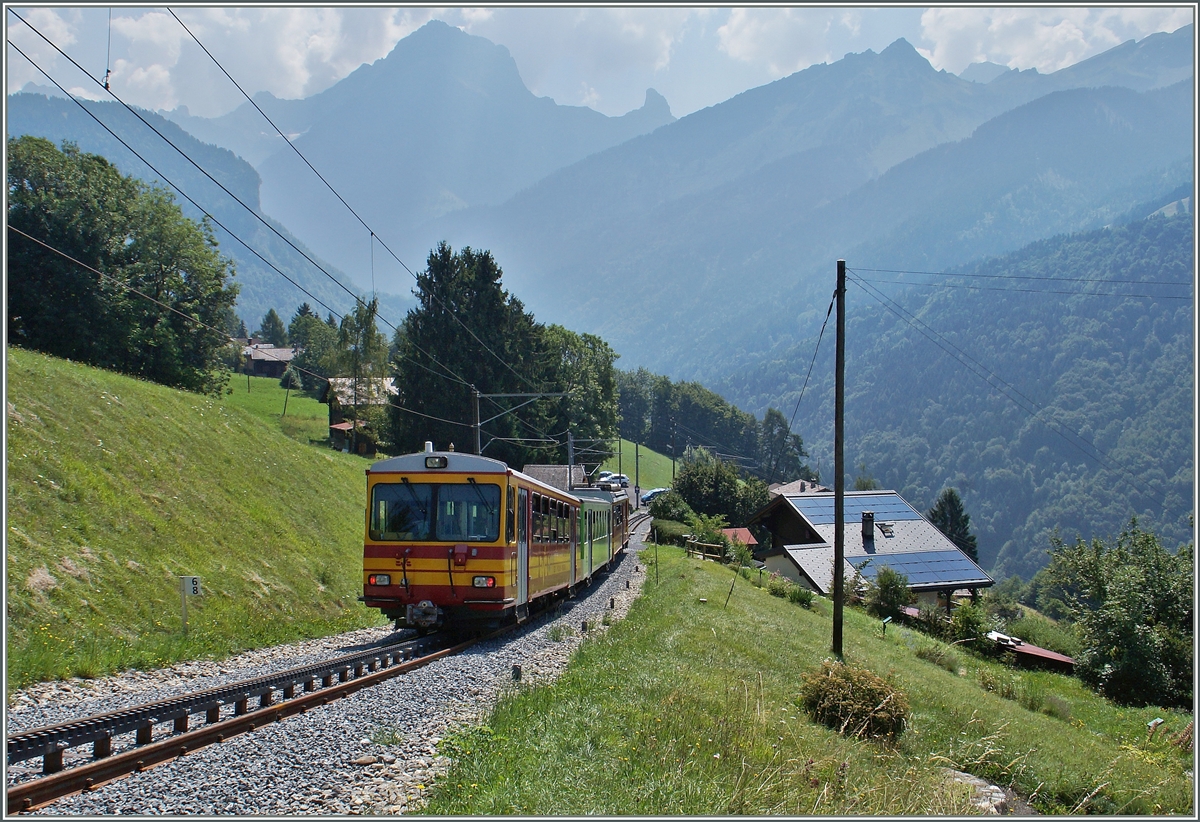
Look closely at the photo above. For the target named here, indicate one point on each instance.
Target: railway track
(138, 738)
(227, 711)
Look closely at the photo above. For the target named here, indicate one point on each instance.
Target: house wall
(788, 529)
(780, 564)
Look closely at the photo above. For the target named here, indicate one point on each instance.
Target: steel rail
(40, 792)
(49, 742)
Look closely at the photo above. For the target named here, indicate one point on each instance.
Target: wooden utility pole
(839, 463)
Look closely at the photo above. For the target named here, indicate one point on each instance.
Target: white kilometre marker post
(188, 585)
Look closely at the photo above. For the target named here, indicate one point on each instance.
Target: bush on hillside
(888, 594)
(799, 595)
(969, 622)
(670, 532)
(1060, 637)
(854, 702)
(670, 505)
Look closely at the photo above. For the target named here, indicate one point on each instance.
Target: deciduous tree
(138, 238)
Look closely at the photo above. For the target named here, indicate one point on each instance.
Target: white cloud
(782, 40)
(57, 26)
(1047, 39)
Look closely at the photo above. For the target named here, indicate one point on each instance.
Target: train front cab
(463, 540)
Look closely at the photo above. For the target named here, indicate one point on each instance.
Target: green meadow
(117, 487)
(689, 706)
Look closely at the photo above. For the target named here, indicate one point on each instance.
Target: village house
(265, 360)
(881, 529)
(343, 394)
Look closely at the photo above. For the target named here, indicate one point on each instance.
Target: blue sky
(601, 57)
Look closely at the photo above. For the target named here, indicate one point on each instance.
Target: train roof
(601, 494)
(456, 462)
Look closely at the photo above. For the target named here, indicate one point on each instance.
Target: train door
(522, 546)
(573, 527)
(590, 534)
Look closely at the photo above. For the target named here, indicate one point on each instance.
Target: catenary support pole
(475, 397)
(839, 463)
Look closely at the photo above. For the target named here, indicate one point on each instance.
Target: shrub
(888, 594)
(777, 586)
(670, 532)
(969, 622)
(799, 595)
(853, 701)
(1054, 636)
(670, 505)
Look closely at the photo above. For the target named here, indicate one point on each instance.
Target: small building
(558, 476)
(265, 360)
(741, 535)
(345, 393)
(880, 529)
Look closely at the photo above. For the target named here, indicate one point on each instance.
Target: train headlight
(484, 582)
(379, 579)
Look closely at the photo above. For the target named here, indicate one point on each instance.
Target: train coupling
(423, 615)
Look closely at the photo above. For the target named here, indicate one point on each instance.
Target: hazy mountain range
(704, 247)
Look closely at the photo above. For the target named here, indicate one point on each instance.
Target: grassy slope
(118, 486)
(688, 707)
(655, 467)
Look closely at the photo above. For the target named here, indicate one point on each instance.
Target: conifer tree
(952, 520)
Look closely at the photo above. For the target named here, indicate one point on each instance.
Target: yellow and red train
(459, 540)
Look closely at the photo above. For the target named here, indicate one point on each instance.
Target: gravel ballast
(374, 752)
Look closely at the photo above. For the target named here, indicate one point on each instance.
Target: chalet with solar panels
(881, 529)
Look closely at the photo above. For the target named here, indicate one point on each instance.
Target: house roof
(798, 487)
(900, 538)
(556, 475)
(371, 391)
(742, 535)
(269, 353)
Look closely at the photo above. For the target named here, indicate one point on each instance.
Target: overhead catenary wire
(792, 421)
(341, 199)
(357, 299)
(980, 275)
(1021, 400)
(200, 208)
(197, 321)
(1038, 290)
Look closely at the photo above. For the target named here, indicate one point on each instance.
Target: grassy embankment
(655, 469)
(116, 487)
(688, 707)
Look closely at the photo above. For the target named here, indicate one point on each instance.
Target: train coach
(460, 540)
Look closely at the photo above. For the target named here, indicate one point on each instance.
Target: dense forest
(1052, 387)
(676, 417)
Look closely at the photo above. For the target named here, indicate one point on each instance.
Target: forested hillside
(1084, 332)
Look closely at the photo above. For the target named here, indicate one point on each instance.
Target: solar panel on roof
(924, 567)
(887, 507)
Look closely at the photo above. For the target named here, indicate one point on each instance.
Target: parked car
(649, 496)
(620, 479)
(603, 476)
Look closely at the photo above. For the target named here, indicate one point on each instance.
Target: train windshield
(411, 511)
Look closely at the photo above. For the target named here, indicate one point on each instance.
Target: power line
(203, 210)
(791, 422)
(1022, 277)
(202, 324)
(1039, 290)
(341, 199)
(358, 300)
(1022, 401)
